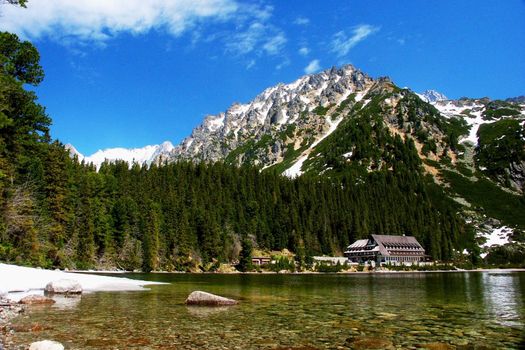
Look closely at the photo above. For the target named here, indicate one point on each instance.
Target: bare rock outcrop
(63, 286)
(207, 299)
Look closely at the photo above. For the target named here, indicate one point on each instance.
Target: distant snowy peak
(73, 151)
(144, 155)
(432, 96)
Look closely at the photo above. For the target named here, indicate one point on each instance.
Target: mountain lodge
(385, 249)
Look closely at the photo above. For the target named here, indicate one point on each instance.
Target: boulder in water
(207, 299)
(46, 345)
(36, 300)
(63, 286)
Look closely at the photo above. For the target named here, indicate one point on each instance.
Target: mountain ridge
(140, 155)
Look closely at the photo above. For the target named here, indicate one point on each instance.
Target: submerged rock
(63, 286)
(207, 299)
(36, 300)
(359, 343)
(46, 345)
(437, 346)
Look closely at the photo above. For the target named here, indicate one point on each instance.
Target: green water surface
(471, 310)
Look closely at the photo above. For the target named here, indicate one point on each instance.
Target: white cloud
(342, 43)
(301, 21)
(100, 20)
(257, 38)
(312, 67)
(304, 51)
(286, 62)
(275, 44)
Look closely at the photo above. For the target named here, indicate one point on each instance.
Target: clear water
(476, 310)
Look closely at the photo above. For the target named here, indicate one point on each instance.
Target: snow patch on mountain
(474, 127)
(144, 155)
(494, 237)
(295, 169)
(432, 96)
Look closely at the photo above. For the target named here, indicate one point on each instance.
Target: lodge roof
(387, 245)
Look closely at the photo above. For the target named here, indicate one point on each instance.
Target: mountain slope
(341, 123)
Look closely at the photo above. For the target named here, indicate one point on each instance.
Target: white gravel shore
(18, 281)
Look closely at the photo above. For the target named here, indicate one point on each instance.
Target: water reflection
(64, 302)
(504, 298)
(205, 312)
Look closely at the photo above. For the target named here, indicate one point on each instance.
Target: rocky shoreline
(8, 310)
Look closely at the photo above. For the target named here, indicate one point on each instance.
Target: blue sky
(127, 73)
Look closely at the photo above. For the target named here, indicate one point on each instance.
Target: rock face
(208, 299)
(36, 300)
(63, 286)
(272, 123)
(46, 345)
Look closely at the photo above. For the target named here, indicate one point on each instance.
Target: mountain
(144, 155)
(432, 96)
(517, 99)
(341, 121)
(284, 127)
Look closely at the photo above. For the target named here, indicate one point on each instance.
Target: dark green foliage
(323, 267)
(20, 59)
(245, 259)
(494, 201)
(509, 254)
(497, 109)
(320, 110)
(282, 263)
(500, 144)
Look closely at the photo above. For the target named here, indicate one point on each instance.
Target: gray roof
(387, 245)
(360, 243)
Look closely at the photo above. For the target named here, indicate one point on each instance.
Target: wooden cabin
(385, 249)
(261, 260)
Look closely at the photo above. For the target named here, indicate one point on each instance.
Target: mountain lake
(448, 310)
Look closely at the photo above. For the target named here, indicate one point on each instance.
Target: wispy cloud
(301, 21)
(304, 51)
(286, 62)
(312, 67)
(342, 43)
(275, 44)
(257, 38)
(100, 20)
(250, 64)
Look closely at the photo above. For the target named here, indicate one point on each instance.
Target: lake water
(476, 310)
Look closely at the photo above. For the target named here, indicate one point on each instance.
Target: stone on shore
(63, 286)
(208, 299)
(36, 300)
(46, 345)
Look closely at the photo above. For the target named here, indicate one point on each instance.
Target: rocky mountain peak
(432, 96)
(273, 112)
